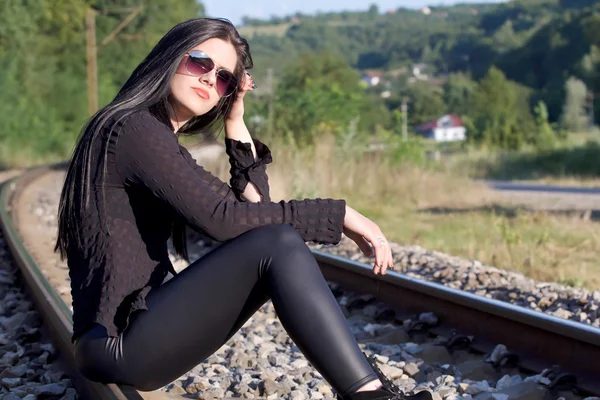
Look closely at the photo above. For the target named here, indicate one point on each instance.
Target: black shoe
(384, 394)
(388, 391)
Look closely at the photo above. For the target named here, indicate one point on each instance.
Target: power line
(92, 47)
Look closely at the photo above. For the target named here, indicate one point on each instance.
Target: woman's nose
(210, 78)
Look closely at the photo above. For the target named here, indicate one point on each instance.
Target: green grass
(575, 163)
(542, 246)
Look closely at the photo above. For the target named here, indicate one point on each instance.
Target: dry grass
(440, 211)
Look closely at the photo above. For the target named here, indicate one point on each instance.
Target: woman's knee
(278, 236)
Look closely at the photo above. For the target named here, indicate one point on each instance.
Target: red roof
(455, 121)
(373, 74)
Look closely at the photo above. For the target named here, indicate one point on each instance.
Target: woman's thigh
(192, 315)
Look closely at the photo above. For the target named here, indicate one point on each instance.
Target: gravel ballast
(28, 360)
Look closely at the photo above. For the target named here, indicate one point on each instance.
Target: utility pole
(92, 64)
(92, 49)
(404, 118)
(271, 92)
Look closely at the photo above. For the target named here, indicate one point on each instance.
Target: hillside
(537, 43)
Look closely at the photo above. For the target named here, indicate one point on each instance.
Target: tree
(545, 138)
(319, 93)
(574, 117)
(373, 11)
(43, 65)
(458, 93)
(501, 113)
(426, 103)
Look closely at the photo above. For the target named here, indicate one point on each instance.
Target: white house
(420, 71)
(447, 128)
(372, 78)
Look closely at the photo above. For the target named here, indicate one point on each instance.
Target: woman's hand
(237, 109)
(365, 233)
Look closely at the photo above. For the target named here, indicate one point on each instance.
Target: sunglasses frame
(204, 55)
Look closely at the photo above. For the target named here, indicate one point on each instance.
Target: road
(547, 197)
(527, 187)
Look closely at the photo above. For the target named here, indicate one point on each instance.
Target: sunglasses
(199, 63)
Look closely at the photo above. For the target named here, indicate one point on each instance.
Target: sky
(234, 10)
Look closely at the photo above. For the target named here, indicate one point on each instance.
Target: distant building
(447, 128)
(419, 71)
(372, 78)
(425, 10)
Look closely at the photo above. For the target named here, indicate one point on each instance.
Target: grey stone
(299, 363)
(297, 395)
(411, 369)
(391, 372)
(270, 386)
(499, 351)
(212, 393)
(10, 396)
(435, 354)
(51, 389)
(8, 359)
(522, 391)
(477, 370)
(11, 382)
(395, 337)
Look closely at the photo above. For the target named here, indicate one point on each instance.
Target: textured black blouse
(151, 181)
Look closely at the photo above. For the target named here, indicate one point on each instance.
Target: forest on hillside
(538, 44)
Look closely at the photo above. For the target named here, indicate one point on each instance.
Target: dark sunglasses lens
(226, 83)
(198, 64)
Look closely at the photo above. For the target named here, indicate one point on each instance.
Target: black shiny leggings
(190, 316)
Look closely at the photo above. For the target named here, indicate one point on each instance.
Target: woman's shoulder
(135, 123)
(137, 119)
(141, 132)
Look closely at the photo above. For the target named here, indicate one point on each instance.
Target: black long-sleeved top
(150, 181)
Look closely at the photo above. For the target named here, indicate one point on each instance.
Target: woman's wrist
(235, 128)
(234, 119)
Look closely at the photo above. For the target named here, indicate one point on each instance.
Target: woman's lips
(202, 93)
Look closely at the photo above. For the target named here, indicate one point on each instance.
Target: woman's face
(197, 95)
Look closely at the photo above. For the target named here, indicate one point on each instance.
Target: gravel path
(261, 361)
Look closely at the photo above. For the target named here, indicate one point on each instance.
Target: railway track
(566, 353)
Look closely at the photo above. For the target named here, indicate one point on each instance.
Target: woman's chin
(199, 109)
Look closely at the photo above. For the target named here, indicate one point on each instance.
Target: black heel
(388, 391)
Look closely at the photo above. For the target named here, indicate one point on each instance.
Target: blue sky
(234, 10)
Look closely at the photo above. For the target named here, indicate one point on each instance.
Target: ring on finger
(382, 241)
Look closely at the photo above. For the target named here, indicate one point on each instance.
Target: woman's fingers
(383, 253)
(379, 253)
(248, 82)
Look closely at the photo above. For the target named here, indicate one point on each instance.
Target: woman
(130, 185)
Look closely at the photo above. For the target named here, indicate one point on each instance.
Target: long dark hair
(147, 87)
